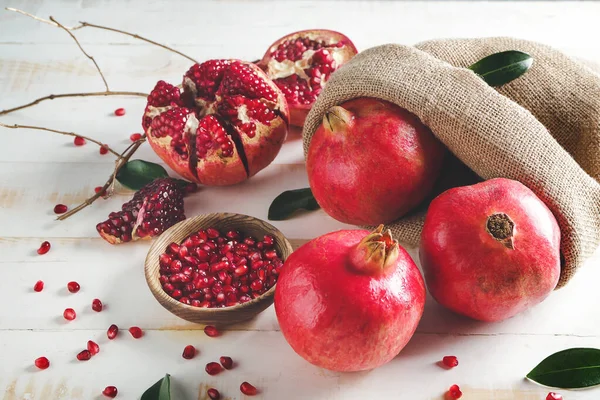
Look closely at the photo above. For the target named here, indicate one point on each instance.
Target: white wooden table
(40, 169)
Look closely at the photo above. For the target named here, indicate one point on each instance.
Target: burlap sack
(489, 132)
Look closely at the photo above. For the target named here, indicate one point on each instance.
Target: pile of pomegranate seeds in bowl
(213, 269)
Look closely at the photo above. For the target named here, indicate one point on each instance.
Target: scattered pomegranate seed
(450, 361)
(69, 314)
(554, 396)
(213, 394)
(136, 332)
(119, 112)
(213, 368)
(73, 287)
(79, 141)
(135, 137)
(454, 392)
(189, 352)
(44, 248)
(248, 389)
(103, 150)
(42, 362)
(110, 391)
(112, 331)
(60, 209)
(39, 286)
(97, 305)
(226, 362)
(93, 347)
(211, 331)
(98, 189)
(84, 355)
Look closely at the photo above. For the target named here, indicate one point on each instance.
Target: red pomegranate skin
(472, 273)
(373, 163)
(341, 319)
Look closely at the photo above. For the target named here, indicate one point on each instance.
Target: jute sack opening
(489, 132)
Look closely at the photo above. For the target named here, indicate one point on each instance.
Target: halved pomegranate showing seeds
(152, 210)
(228, 123)
(301, 63)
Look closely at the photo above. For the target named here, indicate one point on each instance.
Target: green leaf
(569, 369)
(500, 68)
(138, 173)
(161, 390)
(290, 201)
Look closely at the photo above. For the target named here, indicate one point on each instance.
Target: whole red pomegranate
(490, 250)
(349, 300)
(228, 124)
(371, 161)
(301, 63)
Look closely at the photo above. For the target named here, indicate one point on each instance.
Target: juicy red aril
(44, 248)
(103, 149)
(110, 391)
(73, 287)
(211, 331)
(69, 314)
(454, 392)
(554, 396)
(450, 361)
(84, 355)
(93, 347)
(213, 394)
(98, 189)
(60, 209)
(97, 305)
(248, 389)
(226, 362)
(79, 141)
(135, 137)
(39, 286)
(189, 352)
(119, 112)
(112, 332)
(213, 368)
(42, 362)
(136, 332)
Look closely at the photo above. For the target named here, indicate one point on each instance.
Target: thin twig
(83, 51)
(62, 95)
(71, 28)
(41, 128)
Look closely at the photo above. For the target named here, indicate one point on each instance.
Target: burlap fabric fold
(489, 132)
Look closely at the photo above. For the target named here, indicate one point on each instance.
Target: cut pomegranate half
(301, 63)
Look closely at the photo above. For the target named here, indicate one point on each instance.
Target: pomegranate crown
(376, 252)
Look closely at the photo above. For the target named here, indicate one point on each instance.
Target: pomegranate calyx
(501, 228)
(375, 253)
(337, 119)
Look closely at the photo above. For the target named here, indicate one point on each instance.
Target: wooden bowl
(248, 226)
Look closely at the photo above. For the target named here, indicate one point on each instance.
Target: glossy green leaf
(138, 173)
(500, 68)
(291, 201)
(569, 369)
(161, 390)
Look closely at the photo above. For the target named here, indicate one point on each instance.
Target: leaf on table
(500, 68)
(138, 173)
(161, 390)
(291, 201)
(569, 369)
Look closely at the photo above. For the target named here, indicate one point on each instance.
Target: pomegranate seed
(110, 391)
(112, 331)
(42, 362)
(79, 141)
(39, 286)
(93, 347)
(98, 189)
(189, 352)
(84, 355)
(213, 368)
(97, 305)
(454, 392)
(226, 362)
(248, 389)
(119, 112)
(73, 287)
(103, 149)
(213, 394)
(450, 361)
(44, 248)
(135, 137)
(136, 332)
(554, 396)
(69, 314)
(60, 209)
(211, 331)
